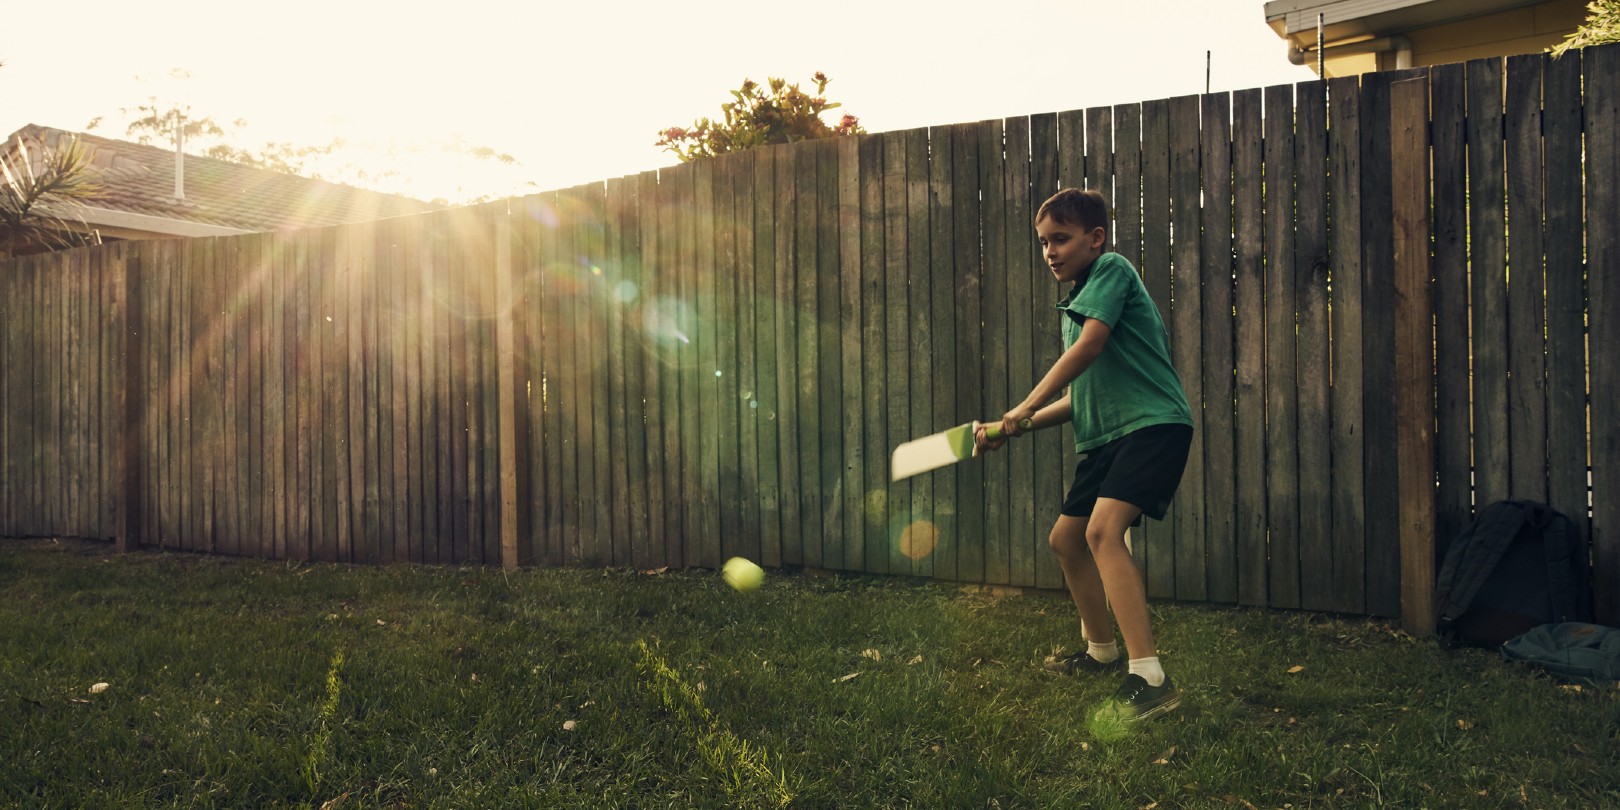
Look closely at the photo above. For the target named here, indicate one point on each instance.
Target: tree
(755, 117)
(40, 187)
(1602, 26)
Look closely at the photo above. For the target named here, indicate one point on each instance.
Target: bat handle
(992, 430)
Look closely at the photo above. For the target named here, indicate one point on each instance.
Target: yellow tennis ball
(742, 574)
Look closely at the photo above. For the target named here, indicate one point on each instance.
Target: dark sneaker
(1136, 701)
(1083, 662)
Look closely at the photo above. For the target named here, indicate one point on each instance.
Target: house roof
(138, 192)
(1349, 18)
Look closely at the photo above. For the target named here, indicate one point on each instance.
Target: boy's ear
(1098, 236)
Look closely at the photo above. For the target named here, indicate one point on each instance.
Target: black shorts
(1142, 468)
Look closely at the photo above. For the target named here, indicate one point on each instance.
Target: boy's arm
(1073, 363)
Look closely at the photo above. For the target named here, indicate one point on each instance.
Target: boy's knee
(1066, 544)
(1099, 538)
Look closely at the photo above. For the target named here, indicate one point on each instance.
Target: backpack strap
(1470, 563)
(1560, 543)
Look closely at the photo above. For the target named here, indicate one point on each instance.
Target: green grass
(238, 683)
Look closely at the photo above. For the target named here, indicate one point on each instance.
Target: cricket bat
(941, 449)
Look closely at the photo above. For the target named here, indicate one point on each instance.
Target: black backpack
(1518, 565)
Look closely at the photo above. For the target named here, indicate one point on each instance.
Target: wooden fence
(716, 359)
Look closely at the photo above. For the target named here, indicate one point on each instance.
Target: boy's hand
(1018, 421)
(982, 440)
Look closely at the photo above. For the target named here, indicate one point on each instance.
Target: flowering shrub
(777, 112)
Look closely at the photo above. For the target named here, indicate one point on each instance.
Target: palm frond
(42, 192)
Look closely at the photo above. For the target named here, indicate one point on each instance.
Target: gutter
(109, 218)
(1397, 43)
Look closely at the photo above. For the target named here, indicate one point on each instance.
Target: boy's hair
(1085, 208)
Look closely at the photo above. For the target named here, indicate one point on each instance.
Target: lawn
(241, 683)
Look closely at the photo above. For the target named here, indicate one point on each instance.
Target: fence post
(506, 390)
(129, 407)
(1414, 351)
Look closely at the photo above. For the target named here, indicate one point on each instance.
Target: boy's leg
(1122, 582)
(1068, 542)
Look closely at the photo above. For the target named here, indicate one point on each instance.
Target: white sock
(1149, 669)
(1103, 653)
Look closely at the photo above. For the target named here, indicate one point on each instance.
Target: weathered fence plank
(768, 416)
(1218, 429)
(1046, 448)
(1566, 333)
(998, 518)
(967, 286)
(829, 371)
(1311, 267)
(1487, 254)
(1454, 490)
(1348, 422)
(1526, 297)
(727, 432)
(858, 455)
(1249, 349)
(874, 431)
(1157, 539)
(1282, 440)
(788, 370)
(1019, 268)
(938, 540)
(1414, 353)
(1186, 343)
(1602, 84)
(1381, 552)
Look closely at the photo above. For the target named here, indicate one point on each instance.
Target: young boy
(1132, 422)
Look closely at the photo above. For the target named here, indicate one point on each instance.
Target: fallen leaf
(653, 572)
(98, 688)
(1570, 687)
(380, 622)
(332, 804)
(872, 654)
(915, 660)
(570, 725)
(1295, 669)
(1464, 724)
(850, 677)
(1164, 758)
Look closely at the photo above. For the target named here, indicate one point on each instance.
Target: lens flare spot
(877, 506)
(919, 539)
(753, 403)
(718, 373)
(668, 320)
(624, 292)
(596, 271)
(541, 212)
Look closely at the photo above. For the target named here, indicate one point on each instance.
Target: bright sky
(578, 91)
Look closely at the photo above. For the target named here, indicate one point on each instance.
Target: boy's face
(1069, 249)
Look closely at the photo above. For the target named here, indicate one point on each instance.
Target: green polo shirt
(1131, 385)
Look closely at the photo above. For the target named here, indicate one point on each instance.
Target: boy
(1132, 421)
